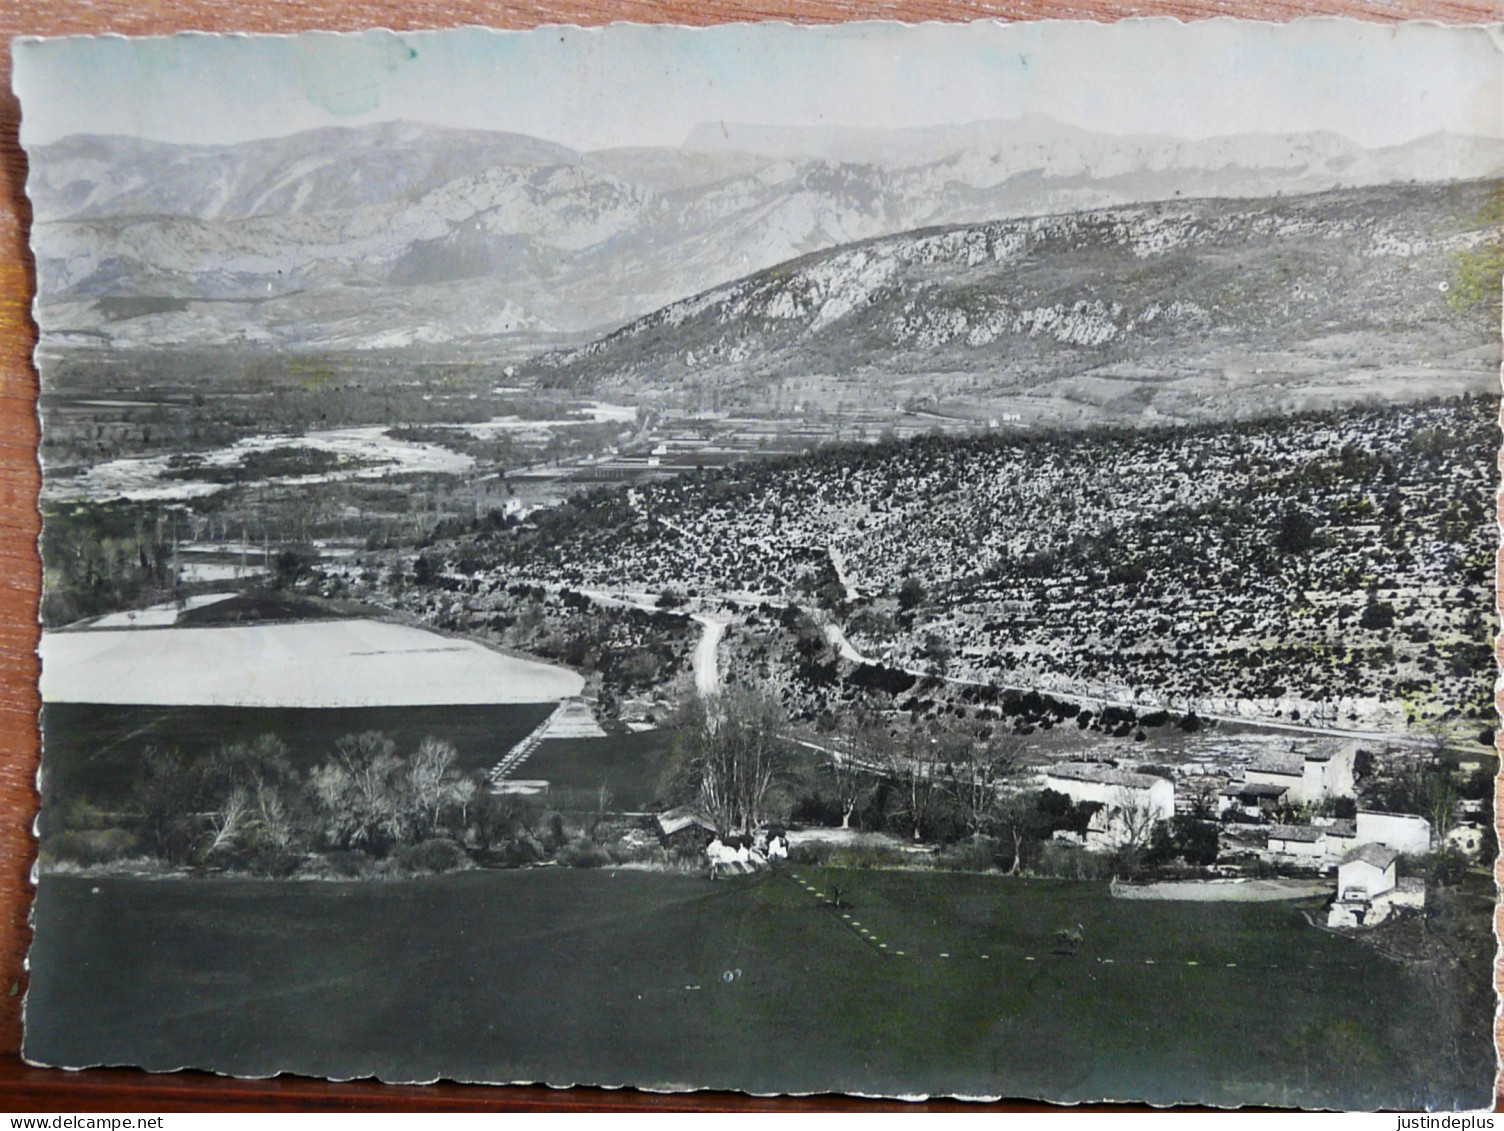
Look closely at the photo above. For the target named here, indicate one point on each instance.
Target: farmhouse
(1317, 846)
(1251, 799)
(1308, 776)
(1131, 803)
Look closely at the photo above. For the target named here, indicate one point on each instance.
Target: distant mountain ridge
(1174, 309)
(396, 234)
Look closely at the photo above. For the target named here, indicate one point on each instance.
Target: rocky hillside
(395, 234)
(1335, 564)
(1183, 309)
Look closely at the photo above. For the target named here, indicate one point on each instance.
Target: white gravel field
(336, 663)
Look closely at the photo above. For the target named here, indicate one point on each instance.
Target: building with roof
(1367, 871)
(1130, 803)
(1403, 832)
(1297, 843)
(1370, 888)
(1252, 800)
(1308, 775)
(1315, 845)
(685, 828)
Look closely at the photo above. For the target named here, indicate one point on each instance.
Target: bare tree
(853, 782)
(436, 784)
(915, 764)
(272, 818)
(730, 757)
(1018, 815)
(977, 775)
(360, 790)
(1203, 793)
(226, 820)
(1131, 822)
(1438, 736)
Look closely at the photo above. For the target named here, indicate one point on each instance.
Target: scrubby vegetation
(367, 809)
(1334, 564)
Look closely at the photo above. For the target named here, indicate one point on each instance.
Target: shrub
(517, 853)
(635, 848)
(1070, 862)
(1446, 866)
(264, 862)
(583, 854)
(429, 857)
(338, 865)
(810, 855)
(969, 856)
(88, 846)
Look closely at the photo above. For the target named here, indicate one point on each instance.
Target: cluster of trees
(99, 557)
(628, 649)
(738, 763)
(247, 806)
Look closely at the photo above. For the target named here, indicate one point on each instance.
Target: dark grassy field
(93, 750)
(666, 980)
(630, 766)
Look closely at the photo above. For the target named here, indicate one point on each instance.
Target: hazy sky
(643, 85)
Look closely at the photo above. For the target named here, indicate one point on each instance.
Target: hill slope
(1184, 309)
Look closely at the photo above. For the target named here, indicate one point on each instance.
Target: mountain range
(398, 235)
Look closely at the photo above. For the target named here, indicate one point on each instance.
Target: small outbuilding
(1298, 843)
(1366, 871)
(1252, 800)
(1370, 889)
(1403, 832)
(1318, 845)
(685, 829)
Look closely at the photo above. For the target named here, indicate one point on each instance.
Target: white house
(1367, 871)
(1131, 802)
(1370, 889)
(1308, 775)
(1316, 845)
(1300, 844)
(1403, 832)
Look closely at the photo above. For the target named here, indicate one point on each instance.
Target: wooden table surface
(23, 1088)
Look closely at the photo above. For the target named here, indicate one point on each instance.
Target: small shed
(1251, 799)
(1365, 872)
(1369, 889)
(685, 829)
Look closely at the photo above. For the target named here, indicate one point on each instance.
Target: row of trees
(248, 804)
